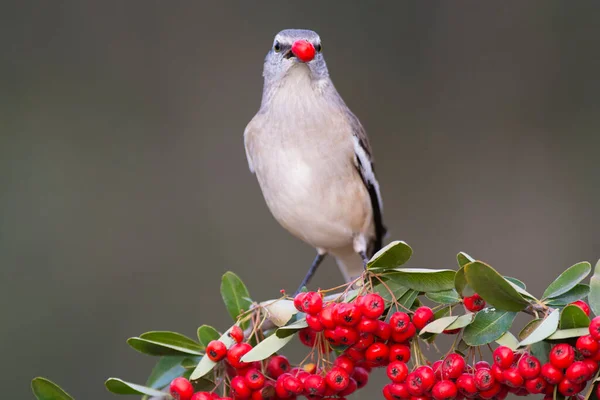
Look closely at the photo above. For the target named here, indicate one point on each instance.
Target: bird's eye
(277, 47)
(318, 47)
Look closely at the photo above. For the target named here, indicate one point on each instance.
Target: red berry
(254, 379)
(414, 384)
(239, 388)
(314, 385)
(298, 300)
(568, 388)
(396, 391)
(367, 325)
(345, 363)
(595, 328)
(400, 337)
(529, 367)
(427, 377)
(354, 354)
(453, 366)
(399, 352)
(337, 379)
(326, 316)
(562, 355)
(236, 334)
(536, 385)
(351, 388)
(346, 336)
(303, 50)
(372, 305)
(292, 385)
(474, 303)
(384, 331)
(422, 316)
(512, 378)
(451, 331)
(503, 357)
(491, 392)
(551, 374)
(482, 364)
(387, 394)
(216, 350)
(484, 379)
(578, 372)
(377, 353)
(312, 303)
(347, 314)
(181, 389)
(399, 322)
(397, 371)
(361, 376)
(437, 369)
(202, 396)
(598, 392)
(307, 336)
(587, 345)
(236, 352)
(444, 390)
(364, 341)
(277, 366)
(583, 305)
(466, 385)
(314, 323)
(497, 372)
(592, 366)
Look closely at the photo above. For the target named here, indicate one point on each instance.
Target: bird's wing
(364, 164)
(248, 143)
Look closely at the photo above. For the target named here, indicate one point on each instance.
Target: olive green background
(124, 188)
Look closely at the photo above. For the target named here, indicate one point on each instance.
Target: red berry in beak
(303, 50)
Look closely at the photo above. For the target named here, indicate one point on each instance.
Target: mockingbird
(312, 157)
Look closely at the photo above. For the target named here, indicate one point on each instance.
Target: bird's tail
(349, 262)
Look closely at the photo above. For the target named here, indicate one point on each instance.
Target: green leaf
(594, 296)
(494, 289)
(438, 325)
(546, 328)
(206, 364)
(408, 299)
(488, 326)
(165, 370)
(521, 291)
(45, 389)
(577, 293)
(235, 295)
(391, 256)
(516, 282)
(163, 343)
(464, 259)
(462, 321)
(573, 317)
(280, 311)
(424, 280)
(119, 386)
(397, 289)
(207, 334)
(568, 333)
(444, 296)
(190, 363)
(509, 340)
(541, 351)
(568, 279)
(267, 347)
(460, 283)
(529, 327)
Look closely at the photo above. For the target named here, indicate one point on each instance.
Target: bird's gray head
(292, 50)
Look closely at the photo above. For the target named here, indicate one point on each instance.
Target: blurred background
(124, 187)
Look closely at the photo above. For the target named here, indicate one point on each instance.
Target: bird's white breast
(303, 155)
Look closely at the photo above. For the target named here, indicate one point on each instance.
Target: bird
(312, 157)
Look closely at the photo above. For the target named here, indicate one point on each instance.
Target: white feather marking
(366, 168)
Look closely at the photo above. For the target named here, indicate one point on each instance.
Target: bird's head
(295, 49)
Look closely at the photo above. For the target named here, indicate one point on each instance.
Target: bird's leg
(313, 268)
(364, 257)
